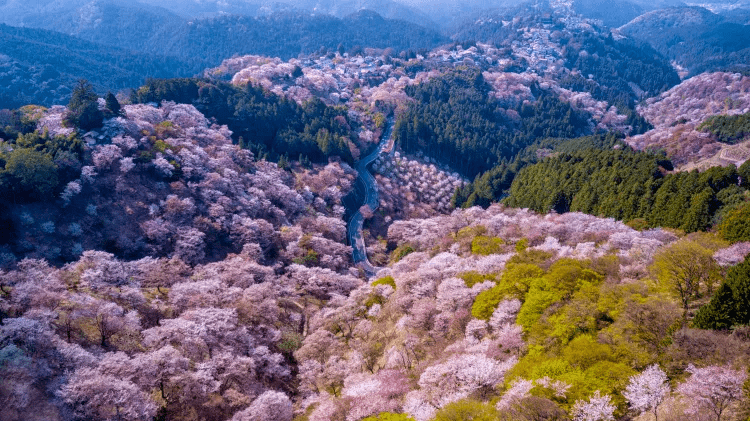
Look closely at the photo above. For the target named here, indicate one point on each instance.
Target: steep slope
(41, 67)
(612, 14)
(168, 183)
(694, 37)
(551, 38)
(205, 42)
(677, 114)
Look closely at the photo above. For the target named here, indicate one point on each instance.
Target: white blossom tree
(270, 406)
(646, 391)
(598, 408)
(96, 396)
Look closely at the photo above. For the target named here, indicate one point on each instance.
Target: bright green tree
(730, 306)
(32, 173)
(466, 410)
(736, 224)
(686, 267)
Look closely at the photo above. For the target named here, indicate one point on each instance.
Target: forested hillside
(629, 185)
(260, 120)
(533, 221)
(455, 121)
(695, 38)
(205, 42)
(40, 67)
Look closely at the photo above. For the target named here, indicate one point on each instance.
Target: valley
(374, 211)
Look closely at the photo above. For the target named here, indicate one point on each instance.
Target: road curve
(356, 222)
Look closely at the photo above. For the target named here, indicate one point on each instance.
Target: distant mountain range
(170, 38)
(118, 44)
(207, 41)
(48, 13)
(695, 37)
(41, 67)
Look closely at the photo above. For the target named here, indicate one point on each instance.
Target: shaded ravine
(356, 222)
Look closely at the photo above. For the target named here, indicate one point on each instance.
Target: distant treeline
(455, 121)
(728, 128)
(629, 185)
(130, 45)
(270, 125)
(42, 67)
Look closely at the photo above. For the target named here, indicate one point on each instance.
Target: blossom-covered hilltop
(500, 312)
(538, 246)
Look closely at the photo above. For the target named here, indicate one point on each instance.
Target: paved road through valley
(354, 230)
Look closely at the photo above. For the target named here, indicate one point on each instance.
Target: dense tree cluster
(678, 113)
(696, 38)
(35, 166)
(729, 306)
(455, 121)
(205, 197)
(728, 129)
(267, 124)
(493, 185)
(608, 68)
(559, 315)
(41, 67)
(627, 185)
(103, 339)
(616, 64)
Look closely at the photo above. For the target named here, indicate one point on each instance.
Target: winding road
(354, 229)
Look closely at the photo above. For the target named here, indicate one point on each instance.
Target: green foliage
(625, 185)
(486, 302)
(374, 299)
(277, 126)
(466, 410)
(614, 64)
(32, 173)
(34, 164)
(563, 278)
(455, 121)
(729, 129)
(468, 233)
(522, 245)
(45, 65)
(736, 224)
(730, 305)
(112, 104)
(531, 256)
(517, 278)
(386, 280)
(389, 416)
(83, 109)
(402, 251)
(493, 185)
(290, 342)
(472, 278)
(485, 246)
(688, 269)
(514, 283)
(638, 224)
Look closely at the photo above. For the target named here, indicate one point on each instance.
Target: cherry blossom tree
(646, 391)
(518, 391)
(270, 406)
(713, 388)
(598, 408)
(97, 396)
